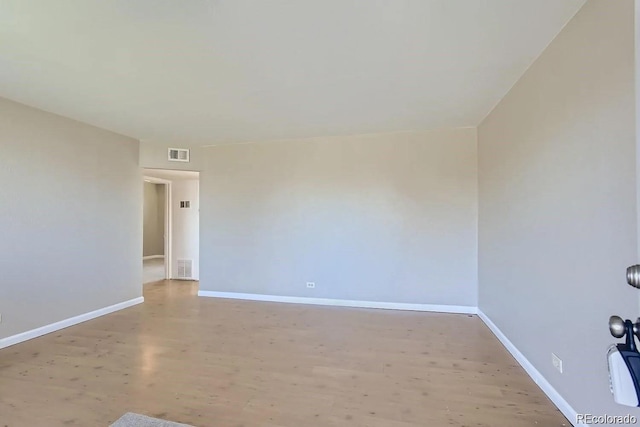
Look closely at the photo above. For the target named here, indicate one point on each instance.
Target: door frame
(167, 223)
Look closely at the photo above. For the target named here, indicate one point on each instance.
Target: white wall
(185, 223)
(557, 213)
(388, 217)
(71, 216)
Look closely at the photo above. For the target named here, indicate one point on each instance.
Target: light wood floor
(226, 363)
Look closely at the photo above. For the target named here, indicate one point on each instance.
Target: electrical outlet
(311, 284)
(557, 362)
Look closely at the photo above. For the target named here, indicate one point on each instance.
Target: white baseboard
(144, 258)
(535, 375)
(34, 333)
(459, 309)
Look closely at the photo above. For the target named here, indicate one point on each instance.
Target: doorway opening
(171, 225)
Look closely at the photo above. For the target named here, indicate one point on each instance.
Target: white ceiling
(221, 71)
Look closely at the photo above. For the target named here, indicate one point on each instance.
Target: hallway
(152, 270)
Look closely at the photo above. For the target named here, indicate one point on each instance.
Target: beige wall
(557, 213)
(154, 206)
(387, 217)
(154, 155)
(71, 216)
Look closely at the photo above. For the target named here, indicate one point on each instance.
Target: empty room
(274, 213)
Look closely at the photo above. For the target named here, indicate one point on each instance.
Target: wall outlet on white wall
(311, 284)
(557, 362)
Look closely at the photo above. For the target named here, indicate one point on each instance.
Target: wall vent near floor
(185, 269)
(178, 155)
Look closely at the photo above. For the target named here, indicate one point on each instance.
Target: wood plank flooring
(225, 363)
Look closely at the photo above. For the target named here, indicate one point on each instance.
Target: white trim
(535, 375)
(34, 333)
(144, 258)
(168, 230)
(459, 309)
(154, 180)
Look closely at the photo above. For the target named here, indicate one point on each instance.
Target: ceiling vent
(178, 155)
(185, 269)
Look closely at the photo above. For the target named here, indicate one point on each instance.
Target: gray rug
(136, 420)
